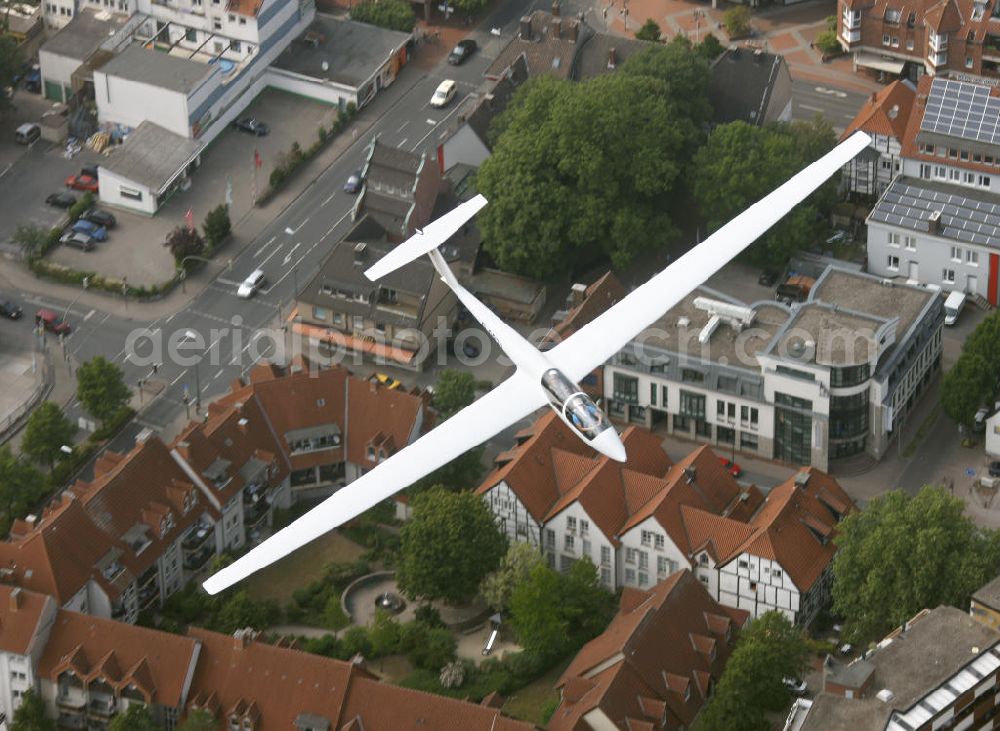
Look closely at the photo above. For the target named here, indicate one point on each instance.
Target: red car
(82, 182)
(52, 322)
(731, 467)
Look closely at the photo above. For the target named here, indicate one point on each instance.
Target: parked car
(979, 420)
(82, 182)
(27, 133)
(953, 305)
(61, 200)
(252, 126)
(251, 284)
(386, 380)
(100, 217)
(77, 240)
(353, 184)
(96, 232)
(846, 649)
(90, 170)
(52, 322)
(461, 52)
(840, 237)
(767, 278)
(33, 79)
(731, 467)
(994, 469)
(796, 686)
(444, 93)
(10, 310)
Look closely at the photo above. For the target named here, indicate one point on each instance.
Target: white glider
(540, 378)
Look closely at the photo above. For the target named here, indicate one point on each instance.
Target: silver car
(251, 284)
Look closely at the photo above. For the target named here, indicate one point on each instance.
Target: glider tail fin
(426, 240)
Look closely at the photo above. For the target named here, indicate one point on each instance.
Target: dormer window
(234, 723)
(892, 15)
(687, 693)
(371, 453)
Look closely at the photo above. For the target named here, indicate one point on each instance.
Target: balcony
(991, 47)
(148, 596)
(70, 700)
(72, 721)
(197, 536)
(118, 611)
(851, 21)
(196, 561)
(937, 59)
(101, 707)
(850, 36)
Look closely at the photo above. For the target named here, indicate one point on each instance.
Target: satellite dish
(325, 65)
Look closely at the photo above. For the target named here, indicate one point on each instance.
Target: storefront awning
(879, 63)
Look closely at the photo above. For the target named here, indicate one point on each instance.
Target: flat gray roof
(160, 69)
(353, 51)
(842, 338)
(85, 33)
(152, 156)
(989, 595)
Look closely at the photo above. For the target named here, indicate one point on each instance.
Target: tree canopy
(100, 386)
(553, 614)
(30, 715)
(583, 171)
(448, 546)
(974, 380)
(904, 553)
(136, 718)
(46, 432)
(650, 31)
(518, 563)
(199, 720)
(741, 163)
(11, 60)
(184, 242)
(454, 391)
(770, 649)
(391, 14)
(21, 485)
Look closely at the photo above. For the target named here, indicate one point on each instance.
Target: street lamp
(182, 271)
(86, 283)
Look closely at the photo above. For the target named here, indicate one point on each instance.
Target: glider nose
(608, 443)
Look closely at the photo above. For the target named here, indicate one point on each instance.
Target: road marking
(230, 282)
(458, 105)
(288, 256)
(263, 248)
(265, 259)
(329, 199)
(402, 142)
(289, 231)
(167, 321)
(89, 315)
(7, 169)
(292, 269)
(430, 121)
(815, 109)
(179, 377)
(401, 127)
(330, 231)
(217, 374)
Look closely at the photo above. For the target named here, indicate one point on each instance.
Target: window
(232, 18)
(550, 538)
(217, 23)
(606, 577)
(720, 408)
(571, 524)
(659, 541)
(892, 262)
(885, 39)
(910, 242)
(235, 46)
(748, 441)
(784, 399)
(584, 527)
(243, 21)
(647, 538)
(690, 375)
(893, 239)
(984, 181)
(643, 578)
(972, 257)
(629, 576)
(626, 388)
(664, 566)
(909, 44)
(749, 414)
(663, 397)
(703, 559)
(742, 563)
(948, 276)
(652, 394)
(892, 15)
(729, 384)
(130, 193)
(692, 405)
(568, 543)
(190, 34)
(605, 556)
(895, 41)
(643, 560)
(776, 574)
(630, 555)
(320, 313)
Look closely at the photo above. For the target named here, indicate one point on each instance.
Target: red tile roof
(277, 684)
(157, 663)
(885, 113)
(657, 646)
(597, 298)
(21, 612)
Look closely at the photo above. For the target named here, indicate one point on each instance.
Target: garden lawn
(303, 567)
(530, 702)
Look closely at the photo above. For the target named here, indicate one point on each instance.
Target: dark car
(10, 310)
(61, 200)
(101, 218)
(252, 126)
(470, 349)
(994, 469)
(353, 184)
(52, 322)
(33, 80)
(767, 278)
(461, 53)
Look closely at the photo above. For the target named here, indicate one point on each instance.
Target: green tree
(136, 718)
(518, 563)
(435, 650)
(46, 432)
(183, 242)
(462, 473)
(31, 239)
(770, 649)
(974, 380)
(904, 553)
(684, 77)
(20, 486)
(100, 386)
(736, 21)
(710, 48)
(554, 613)
(384, 635)
(454, 391)
(827, 43)
(650, 31)
(239, 611)
(447, 548)
(595, 165)
(741, 163)
(30, 715)
(11, 60)
(391, 14)
(217, 225)
(199, 720)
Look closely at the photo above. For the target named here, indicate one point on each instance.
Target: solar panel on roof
(962, 218)
(961, 109)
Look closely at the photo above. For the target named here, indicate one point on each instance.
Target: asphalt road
(837, 106)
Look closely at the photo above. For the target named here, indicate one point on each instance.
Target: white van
(27, 133)
(953, 306)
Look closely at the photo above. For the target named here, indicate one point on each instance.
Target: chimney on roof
(525, 28)
(557, 28)
(15, 599)
(32, 521)
(758, 55)
(359, 253)
(577, 293)
(612, 58)
(555, 8)
(690, 473)
(243, 637)
(573, 29)
(934, 222)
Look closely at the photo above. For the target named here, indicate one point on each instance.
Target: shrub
(352, 109)
(737, 21)
(333, 614)
(217, 226)
(452, 675)
(322, 134)
(436, 650)
(80, 207)
(428, 615)
(356, 641)
(278, 176)
(827, 43)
